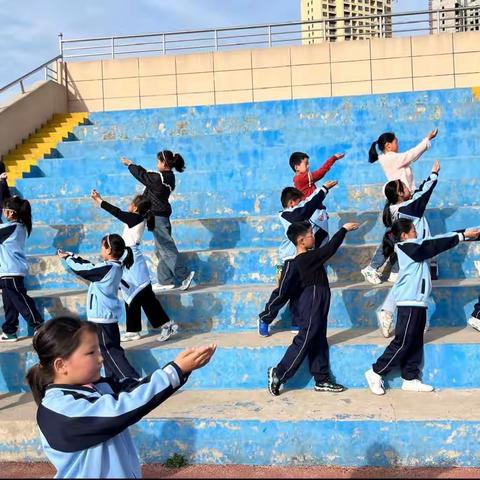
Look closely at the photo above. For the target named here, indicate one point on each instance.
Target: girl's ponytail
(372, 153)
(393, 236)
(127, 260)
(391, 193)
(22, 209)
(38, 378)
(173, 160)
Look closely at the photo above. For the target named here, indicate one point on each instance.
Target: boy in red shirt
(304, 179)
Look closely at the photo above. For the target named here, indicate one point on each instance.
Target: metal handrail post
(216, 40)
(269, 35)
(60, 43)
(22, 87)
(113, 47)
(324, 30)
(164, 48)
(438, 21)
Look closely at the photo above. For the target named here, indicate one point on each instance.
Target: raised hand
(338, 156)
(62, 254)
(432, 134)
(96, 196)
(126, 161)
(472, 233)
(351, 226)
(194, 358)
(330, 184)
(436, 167)
(3, 176)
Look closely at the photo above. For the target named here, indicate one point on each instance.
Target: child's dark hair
(290, 193)
(173, 160)
(144, 206)
(383, 139)
(57, 338)
(391, 190)
(120, 252)
(2, 166)
(296, 230)
(296, 159)
(392, 236)
(22, 209)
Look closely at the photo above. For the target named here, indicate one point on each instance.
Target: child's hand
(96, 196)
(3, 176)
(62, 254)
(472, 233)
(125, 161)
(338, 156)
(432, 134)
(193, 358)
(436, 167)
(351, 226)
(330, 184)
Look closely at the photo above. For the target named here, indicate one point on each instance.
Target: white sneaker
(168, 330)
(129, 336)
(371, 275)
(158, 287)
(416, 386)
(375, 382)
(385, 322)
(474, 323)
(187, 282)
(393, 277)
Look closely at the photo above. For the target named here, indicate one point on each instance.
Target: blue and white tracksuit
(411, 293)
(311, 209)
(414, 210)
(13, 269)
(135, 285)
(105, 309)
(84, 429)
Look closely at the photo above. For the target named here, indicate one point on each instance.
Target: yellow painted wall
(304, 71)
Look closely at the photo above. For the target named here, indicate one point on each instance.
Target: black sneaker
(328, 386)
(273, 382)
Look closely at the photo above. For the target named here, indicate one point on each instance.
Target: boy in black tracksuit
(309, 293)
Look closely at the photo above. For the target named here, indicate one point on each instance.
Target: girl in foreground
(83, 418)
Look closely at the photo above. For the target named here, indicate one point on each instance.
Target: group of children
(83, 417)
(407, 245)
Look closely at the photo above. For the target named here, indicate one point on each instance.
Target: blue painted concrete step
(231, 232)
(236, 308)
(256, 265)
(242, 359)
(300, 427)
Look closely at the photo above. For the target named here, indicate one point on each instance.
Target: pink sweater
(396, 166)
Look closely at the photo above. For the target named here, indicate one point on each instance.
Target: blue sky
(29, 28)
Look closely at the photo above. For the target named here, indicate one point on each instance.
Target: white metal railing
(268, 35)
(46, 71)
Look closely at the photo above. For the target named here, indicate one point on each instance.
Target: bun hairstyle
(144, 206)
(383, 139)
(391, 191)
(120, 252)
(392, 236)
(57, 338)
(22, 210)
(173, 160)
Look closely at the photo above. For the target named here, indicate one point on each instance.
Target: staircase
(225, 222)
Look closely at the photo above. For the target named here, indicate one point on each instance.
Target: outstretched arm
(404, 159)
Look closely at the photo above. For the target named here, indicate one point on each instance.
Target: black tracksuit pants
(154, 311)
(114, 359)
(16, 301)
(310, 312)
(406, 349)
(476, 309)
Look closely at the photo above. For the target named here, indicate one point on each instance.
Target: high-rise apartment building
(459, 20)
(351, 29)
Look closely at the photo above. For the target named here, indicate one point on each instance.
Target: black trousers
(154, 311)
(406, 349)
(476, 309)
(16, 301)
(114, 359)
(310, 313)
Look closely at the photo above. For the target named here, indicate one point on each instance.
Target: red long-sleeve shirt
(305, 182)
